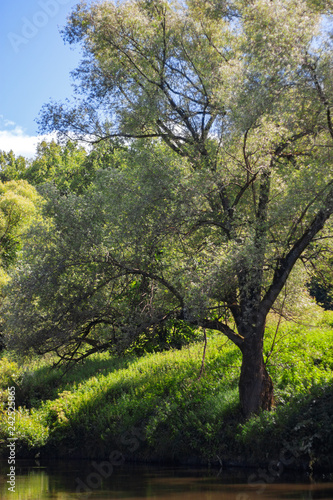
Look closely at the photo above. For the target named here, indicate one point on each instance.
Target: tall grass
(92, 408)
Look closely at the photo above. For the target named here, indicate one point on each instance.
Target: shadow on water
(60, 480)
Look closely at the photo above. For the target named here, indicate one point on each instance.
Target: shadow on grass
(304, 426)
(97, 406)
(46, 382)
(165, 400)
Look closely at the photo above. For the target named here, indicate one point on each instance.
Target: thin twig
(203, 355)
(277, 326)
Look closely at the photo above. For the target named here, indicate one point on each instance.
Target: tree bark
(255, 384)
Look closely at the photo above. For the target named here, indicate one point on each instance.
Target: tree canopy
(220, 183)
(18, 206)
(11, 167)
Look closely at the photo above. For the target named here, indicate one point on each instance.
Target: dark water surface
(60, 480)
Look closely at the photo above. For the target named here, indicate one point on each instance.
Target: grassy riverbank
(156, 407)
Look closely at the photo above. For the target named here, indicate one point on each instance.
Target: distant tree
(241, 94)
(70, 167)
(320, 283)
(12, 167)
(61, 164)
(18, 207)
(18, 202)
(67, 165)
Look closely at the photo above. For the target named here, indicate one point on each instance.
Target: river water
(61, 480)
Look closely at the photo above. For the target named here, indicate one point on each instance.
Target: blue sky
(35, 67)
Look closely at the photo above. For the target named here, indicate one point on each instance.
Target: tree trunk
(255, 384)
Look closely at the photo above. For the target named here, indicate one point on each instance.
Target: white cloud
(9, 123)
(19, 142)
(16, 140)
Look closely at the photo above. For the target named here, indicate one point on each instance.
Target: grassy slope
(156, 407)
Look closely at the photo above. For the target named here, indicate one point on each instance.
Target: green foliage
(322, 291)
(68, 166)
(161, 403)
(30, 431)
(62, 165)
(18, 206)
(215, 181)
(94, 407)
(8, 372)
(232, 91)
(12, 168)
(320, 284)
(300, 431)
(80, 253)
(311, 366)
(172, 334)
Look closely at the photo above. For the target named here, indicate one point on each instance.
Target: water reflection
(79, 480)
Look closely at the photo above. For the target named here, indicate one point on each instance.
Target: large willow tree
(240, 93)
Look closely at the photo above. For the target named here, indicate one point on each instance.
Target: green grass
(302, 357)
(156, 407)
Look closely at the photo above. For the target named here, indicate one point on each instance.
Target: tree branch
(322, 97)
(150, 275)
(223, 328)
(287, 263)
